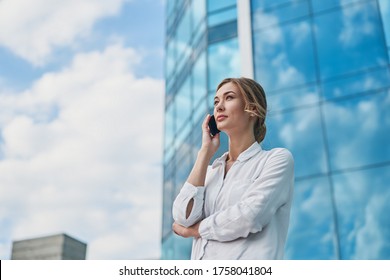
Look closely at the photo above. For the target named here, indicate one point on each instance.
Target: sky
(81, 122)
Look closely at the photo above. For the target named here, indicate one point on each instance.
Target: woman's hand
(192, 231)
(210, 144)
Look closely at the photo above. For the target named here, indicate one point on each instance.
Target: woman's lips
(221, 117)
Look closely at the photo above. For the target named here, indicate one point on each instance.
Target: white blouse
(246, 214)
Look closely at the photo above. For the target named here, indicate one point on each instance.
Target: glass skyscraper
(325, 68)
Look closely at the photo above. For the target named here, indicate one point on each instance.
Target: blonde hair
(255, 102)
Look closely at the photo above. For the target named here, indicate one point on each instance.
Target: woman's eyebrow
(229, 91)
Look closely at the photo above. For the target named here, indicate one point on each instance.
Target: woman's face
(229, 108)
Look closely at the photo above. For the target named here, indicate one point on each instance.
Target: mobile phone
(213, 126)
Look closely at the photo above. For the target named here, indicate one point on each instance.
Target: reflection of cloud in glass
(264, 19)
(291, 98)
(311, 224)
(359, 83)
(355, 123)
(183, 104)
(300, 32)
(376, 228)
(283, 54)
(342, 36)
(224, 61)
(287, 73)
(357, 15)
(364, 230)
(299, 132)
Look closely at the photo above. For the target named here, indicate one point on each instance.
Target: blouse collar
(244, 156)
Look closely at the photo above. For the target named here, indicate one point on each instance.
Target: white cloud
(228, 53)
(356, 15)
(373, 231)
(300, 32)
(275, 70)
(365, 224)
(82, 153)
(31, 29)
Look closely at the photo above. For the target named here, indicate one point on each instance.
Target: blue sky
(81, 121)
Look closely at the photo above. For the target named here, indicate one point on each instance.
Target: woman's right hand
(210, 144)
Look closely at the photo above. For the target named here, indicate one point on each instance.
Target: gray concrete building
(54, 247)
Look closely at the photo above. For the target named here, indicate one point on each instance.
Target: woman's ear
(253, 110)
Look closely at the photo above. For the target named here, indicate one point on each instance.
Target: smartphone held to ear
(213, 126)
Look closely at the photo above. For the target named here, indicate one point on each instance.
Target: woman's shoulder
(280, 154)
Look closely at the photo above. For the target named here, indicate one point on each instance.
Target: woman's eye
(215, 103)
(229, 97)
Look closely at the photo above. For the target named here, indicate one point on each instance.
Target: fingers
(178, 229)
(205, 125)
(174, 227)
(215, 139)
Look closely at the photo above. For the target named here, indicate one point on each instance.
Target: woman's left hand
(192, 231)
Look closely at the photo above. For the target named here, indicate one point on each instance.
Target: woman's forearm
(198, 173)
(197, 176)
(209, 146)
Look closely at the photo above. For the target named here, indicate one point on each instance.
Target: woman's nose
(219, 106)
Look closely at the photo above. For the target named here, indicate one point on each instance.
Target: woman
(239, 207)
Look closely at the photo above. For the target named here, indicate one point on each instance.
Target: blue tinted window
(197, 136)
(292, 98)
(183, 166)
(362, 199)
(167, 207)
(175, 247)
(358, 130)
(300, 132)
(222, 32)
(210, 100)
(167, 248)
(169, 126)
(223, 16)
(363, 82)
(170, 60)
(385, 12)
(168, 154)
(183, 36)
(171, 6)
(198, 9)
(284, 56)
(198, 39)
(183, 105)
(311, 231)
(214, 5)
(343, 35)
(320, 5)
(201, 110)
(182, 247)
(168, 193)
(183, 135)
(199, 79)
(224, 61)
(267, 4)
(284, 13)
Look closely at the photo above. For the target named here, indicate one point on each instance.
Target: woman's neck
(239, 144)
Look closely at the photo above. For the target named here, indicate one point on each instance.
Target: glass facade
(325, 68)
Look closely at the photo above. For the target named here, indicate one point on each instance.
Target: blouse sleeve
(258, 204)
(179, 210)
